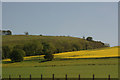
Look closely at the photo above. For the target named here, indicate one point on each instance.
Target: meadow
(86, 63)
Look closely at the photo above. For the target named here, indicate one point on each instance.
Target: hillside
(37, 45)
(12, 40)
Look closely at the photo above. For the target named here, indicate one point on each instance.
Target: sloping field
(105, 52)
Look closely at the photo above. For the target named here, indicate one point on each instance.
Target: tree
(17, 55)
(83, 37)
(30, 49)
(41, 35)
(26, 33)
(9, 32)
(39, 48)
(5, 52)
(33, 48)
(48, 48)
(89, 39)
(49, 57)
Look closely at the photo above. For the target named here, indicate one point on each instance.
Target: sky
(96, 19)
(60, 0)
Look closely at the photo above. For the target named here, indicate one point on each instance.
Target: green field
(86, 67)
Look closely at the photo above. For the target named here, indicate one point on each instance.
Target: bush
(17, 55)
(49, 57)
(89, 39)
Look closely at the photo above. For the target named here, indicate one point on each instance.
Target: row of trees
(6, 32)
(30, 49)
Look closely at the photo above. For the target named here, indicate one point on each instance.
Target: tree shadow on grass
(6, 62)
(42, 61)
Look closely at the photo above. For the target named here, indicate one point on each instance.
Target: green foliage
(26, 33)
(17, 55)
(41, 35)
(33, 48)
(48, 48)
(39, 49)
(18, 47)
(89, 38)
(5, 51)
(30, 49)
(49, 57)
(9, 32)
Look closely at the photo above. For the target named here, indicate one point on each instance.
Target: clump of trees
(6, 32)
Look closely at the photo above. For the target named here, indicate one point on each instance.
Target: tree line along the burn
(48, 46)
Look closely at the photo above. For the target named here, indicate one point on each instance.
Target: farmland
(85, 62)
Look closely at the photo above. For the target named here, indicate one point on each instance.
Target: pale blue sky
(60, 0)
(96, 19)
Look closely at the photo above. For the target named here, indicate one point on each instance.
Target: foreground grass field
(62, 65)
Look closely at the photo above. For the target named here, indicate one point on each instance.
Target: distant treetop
(5, 32)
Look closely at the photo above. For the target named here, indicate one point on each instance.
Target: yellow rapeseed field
(25, 58)
(105, 52)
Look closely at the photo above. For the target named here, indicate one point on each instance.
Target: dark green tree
(9, 32)
(26, 33)
(30, 49)
(89, 39)
(17, 55)
(33, 48)
(39, 49)
(49, 57)
(48, 48)
(18, 47)
(5, 51)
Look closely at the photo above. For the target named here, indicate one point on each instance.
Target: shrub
(49, 57)
(89, 39)
(17, 55)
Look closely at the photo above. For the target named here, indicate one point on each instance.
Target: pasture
(65, 64)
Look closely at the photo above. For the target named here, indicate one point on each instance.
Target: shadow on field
(42, 61)
(6, 62)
